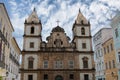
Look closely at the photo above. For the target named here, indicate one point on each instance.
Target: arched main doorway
(58, 77)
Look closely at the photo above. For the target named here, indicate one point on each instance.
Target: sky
(98, 12)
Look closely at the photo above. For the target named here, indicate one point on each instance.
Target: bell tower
(32, 33)
(81, 33)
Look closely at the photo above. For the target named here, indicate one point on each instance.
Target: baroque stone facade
(59, 58)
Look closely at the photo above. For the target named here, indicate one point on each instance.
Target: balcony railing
(3, 37)
(13, 59)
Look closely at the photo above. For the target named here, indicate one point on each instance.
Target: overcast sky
(98, 12)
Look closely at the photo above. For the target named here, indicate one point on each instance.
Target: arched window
(32, 30)
(30, 62)
(85, 62)
(83, 31)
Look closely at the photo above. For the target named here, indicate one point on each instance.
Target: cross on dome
(57, 22)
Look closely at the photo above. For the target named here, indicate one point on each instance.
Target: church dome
(58, 29)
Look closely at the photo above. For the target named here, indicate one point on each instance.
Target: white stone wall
(36, 44)
(89, 61)
(88, 44)
(34, 63)
(26, 76)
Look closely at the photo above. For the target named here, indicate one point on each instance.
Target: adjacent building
(7, 45)
(59, 58)
(14, 58)
(115, 24)
(98, 39)
(111, 71)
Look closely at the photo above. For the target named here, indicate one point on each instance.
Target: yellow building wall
(109, 56)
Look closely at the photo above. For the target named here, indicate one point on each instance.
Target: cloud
(98, 12)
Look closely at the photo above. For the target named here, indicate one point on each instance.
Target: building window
(85, 62)
(58, 64)
(4, 30)
(30, 77)
(119, 56)
(113, 63)
(31, 44)
(111, 46)
(71, 77)
(32, 30)
(104, 50)
(116, 33)
(46, 64)
(83, 31)
(0, 24)
(106, 65)
(45, 77)
(30, 62)
(108, 49)
(84, 45)
(109, 64)
(86, 77)
(71, 64)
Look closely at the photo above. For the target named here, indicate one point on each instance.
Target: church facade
(59, 58)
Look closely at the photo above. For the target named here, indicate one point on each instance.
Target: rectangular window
(85, 64)
(30, 77)
(45, 77)
(45, 64)
(58, 64)
(119, 56)
(111, 46)
(99, 53)
(71, 64)
(113, 63)
(104, 50)
(30, 64)
(84, 45)
(106, 65)
(109, 64)
(108, 49)
(31, 44)
(116, 33)
(86, 77)
(71, 77)
(0, 25)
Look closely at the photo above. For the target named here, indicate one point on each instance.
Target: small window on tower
(85, 62)
(84, 45)
(30, 77)
(71, 77)
(31, 44)
(86, 77)
(83, 31)
(45, 76)
(30, 62)
(32, 30)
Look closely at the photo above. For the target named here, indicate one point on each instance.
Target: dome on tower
(58, 29)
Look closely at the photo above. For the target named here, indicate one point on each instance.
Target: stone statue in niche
(58, 43)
